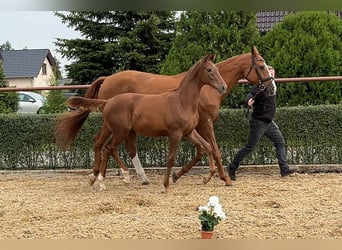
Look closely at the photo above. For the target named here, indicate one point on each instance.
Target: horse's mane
(232, 58)
(227, 61)
(188, 74)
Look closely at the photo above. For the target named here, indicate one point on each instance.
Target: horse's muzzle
(222, 88)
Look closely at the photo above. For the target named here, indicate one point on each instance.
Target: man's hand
(250, 102)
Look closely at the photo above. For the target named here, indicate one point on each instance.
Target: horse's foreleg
(174, 142)
(139, 169)
(210, 137)
(217, 155)
(131, 148)
(187, 167)
(218, 159)
(212, 169)
(206, 130)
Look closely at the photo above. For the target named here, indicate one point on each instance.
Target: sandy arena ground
(260, 205)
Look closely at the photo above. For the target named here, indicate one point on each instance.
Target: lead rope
(247, 111)
(261, 88)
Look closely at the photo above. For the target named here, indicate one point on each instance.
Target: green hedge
(313, 135)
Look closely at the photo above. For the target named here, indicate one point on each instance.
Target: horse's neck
(189, 92)
(232, 70)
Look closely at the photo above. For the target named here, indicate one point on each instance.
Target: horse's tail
(69, 124)
(87, 104)
(67, 127)
(93, 90)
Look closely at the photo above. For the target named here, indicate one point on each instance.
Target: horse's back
(146, 114)
(131, 81)
(135, 104)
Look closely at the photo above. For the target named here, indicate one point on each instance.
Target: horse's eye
(209, 69)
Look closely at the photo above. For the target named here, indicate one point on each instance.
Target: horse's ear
(211, 57)
(255, 51)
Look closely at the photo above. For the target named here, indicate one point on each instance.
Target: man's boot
(285, 171)
(231, 172)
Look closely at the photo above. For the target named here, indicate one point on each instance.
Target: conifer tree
(114, 41)
(8, 100)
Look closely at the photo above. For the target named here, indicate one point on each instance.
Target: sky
(35, 30)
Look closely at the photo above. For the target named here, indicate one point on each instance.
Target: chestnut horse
(250, 66)
(173, 114)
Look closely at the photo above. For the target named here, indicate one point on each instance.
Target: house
(28, 67)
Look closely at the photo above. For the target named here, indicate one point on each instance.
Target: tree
(55, 100)
(115, 41)
(57, 70)
(8, 100)
(306, 44)
(226, 33)
(6, 46)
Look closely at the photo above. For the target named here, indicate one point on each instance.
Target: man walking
(261, 123)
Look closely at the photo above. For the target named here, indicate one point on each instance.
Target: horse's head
(210, 74)
(258, 72)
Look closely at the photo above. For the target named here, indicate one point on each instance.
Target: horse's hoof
(229, 183)
(174, 177)
(91, 179)
(206, 180)
(126, 182)
(145, 183)
(167, 191)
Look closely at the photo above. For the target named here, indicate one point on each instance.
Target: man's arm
(250, 97)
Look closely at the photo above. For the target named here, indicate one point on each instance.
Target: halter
(261, 81)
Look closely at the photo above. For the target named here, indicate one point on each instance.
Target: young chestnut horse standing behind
(250, 66)
(173, 114)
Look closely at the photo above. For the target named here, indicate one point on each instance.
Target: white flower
(221, 214)
(213, 201)
(211, 214)
(218, 209)
(203, 208)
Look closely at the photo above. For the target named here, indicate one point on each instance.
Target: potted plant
(210, 216)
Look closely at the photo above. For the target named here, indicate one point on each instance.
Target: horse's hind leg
(195, 138)
(187, 167)
(114, 150)
(105, 153)
(99, 141)
(131, 147)
(111, 148)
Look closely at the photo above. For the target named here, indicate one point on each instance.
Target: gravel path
(260, 205)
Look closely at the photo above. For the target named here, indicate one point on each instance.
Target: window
(44, 69)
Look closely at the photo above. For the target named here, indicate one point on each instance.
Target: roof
(267, 19)
(24, 63)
